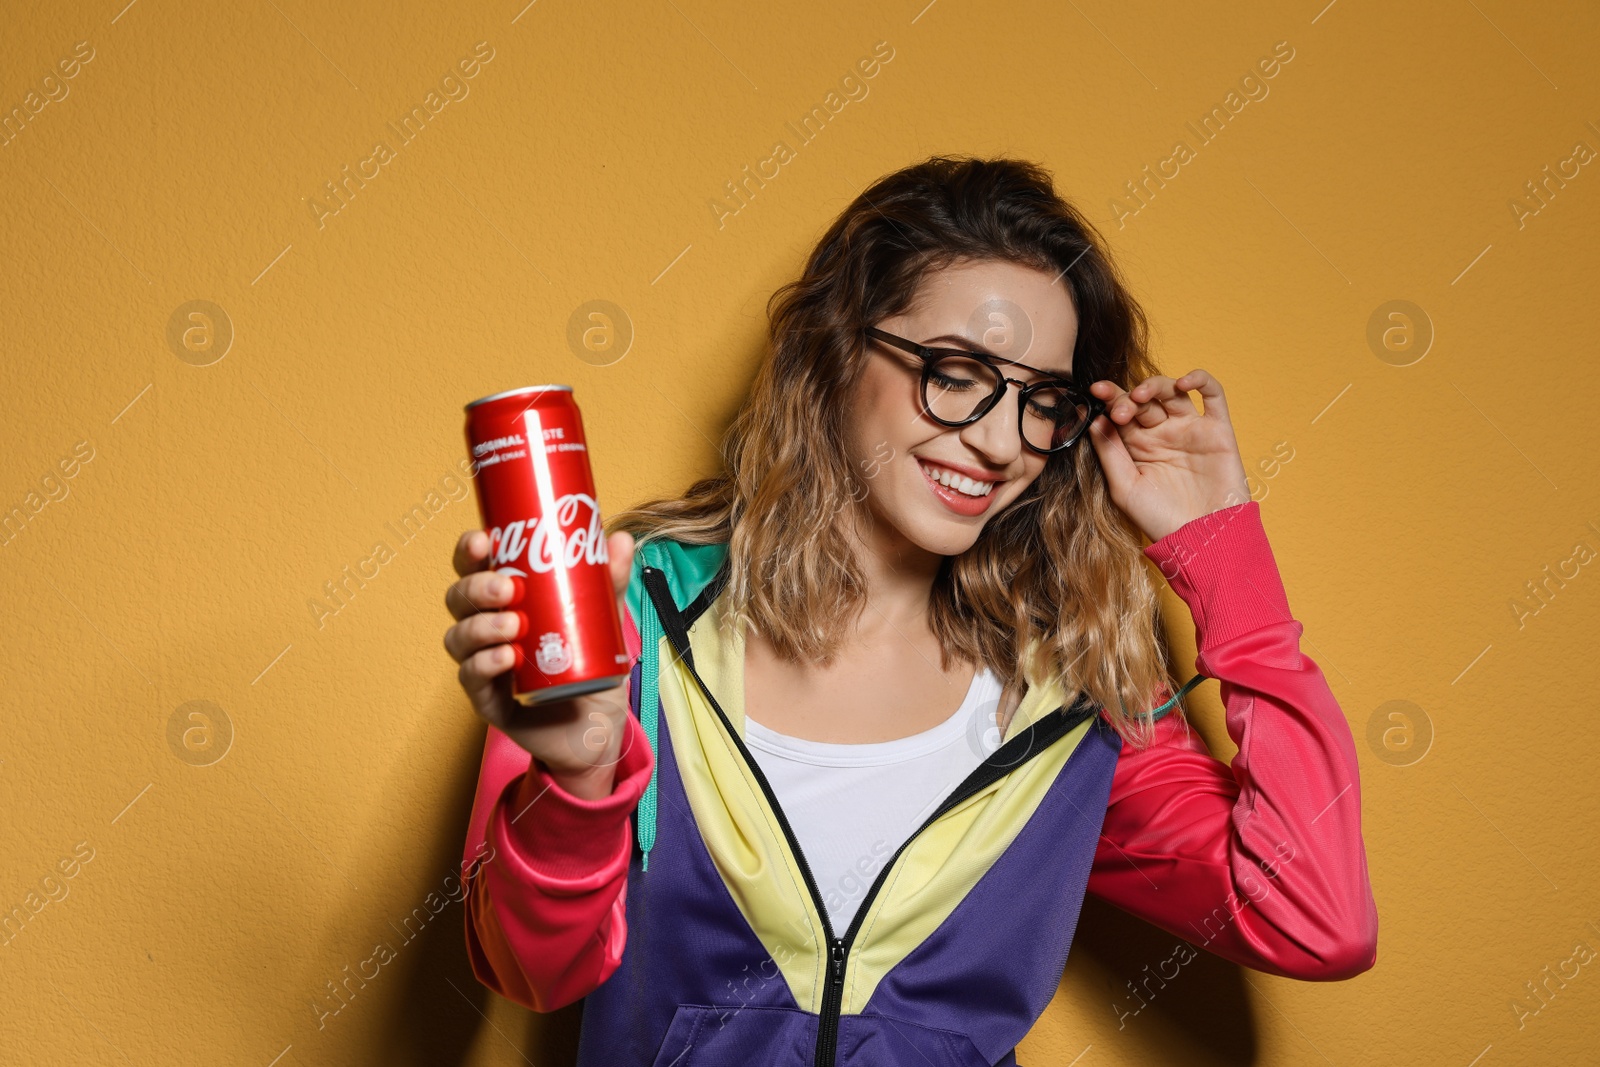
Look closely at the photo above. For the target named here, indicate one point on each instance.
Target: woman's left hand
(1166, 463)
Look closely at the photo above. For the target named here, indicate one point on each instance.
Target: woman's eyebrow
(972, 346)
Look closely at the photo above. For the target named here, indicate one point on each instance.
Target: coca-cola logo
(562, 538)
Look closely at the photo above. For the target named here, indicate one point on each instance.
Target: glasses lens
(1052, 417)
(955, 386)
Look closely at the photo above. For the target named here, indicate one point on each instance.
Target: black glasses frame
(931, 356)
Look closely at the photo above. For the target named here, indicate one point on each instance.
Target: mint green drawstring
(649, 713)
(1157, 713)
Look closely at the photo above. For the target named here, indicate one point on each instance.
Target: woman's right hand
(578, 740)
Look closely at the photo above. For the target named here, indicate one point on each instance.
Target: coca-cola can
(536, 496)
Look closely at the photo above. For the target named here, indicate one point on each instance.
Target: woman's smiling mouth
(960, 493)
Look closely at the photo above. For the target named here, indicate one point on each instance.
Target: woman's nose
(997, 434)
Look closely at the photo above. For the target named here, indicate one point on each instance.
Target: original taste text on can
(536, 497)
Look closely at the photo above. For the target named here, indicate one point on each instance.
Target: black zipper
(1018, 750)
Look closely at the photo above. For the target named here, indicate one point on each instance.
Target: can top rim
(518, 392)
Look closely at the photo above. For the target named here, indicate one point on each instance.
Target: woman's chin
(938, 532)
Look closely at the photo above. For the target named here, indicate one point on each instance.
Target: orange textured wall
(257, 256)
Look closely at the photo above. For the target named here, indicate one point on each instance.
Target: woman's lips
(954, 499)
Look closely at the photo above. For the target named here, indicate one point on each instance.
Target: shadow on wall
(1203, 1015)
(444, 1009)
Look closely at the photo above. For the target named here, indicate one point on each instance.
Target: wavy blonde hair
(1059, 570)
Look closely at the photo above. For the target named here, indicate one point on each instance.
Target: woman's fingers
(472, 552)
(483, 591)
(1142, 403)
(483, 631)
(1210, 391)
(1149, 403)
(477, 675)
(1114, 458)
(620, 547)
(1173, 397)
(1150, 394)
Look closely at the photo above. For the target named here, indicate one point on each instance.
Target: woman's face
(1008, 310)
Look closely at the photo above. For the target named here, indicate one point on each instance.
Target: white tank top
(852, 805)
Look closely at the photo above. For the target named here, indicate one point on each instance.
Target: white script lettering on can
(546, 542)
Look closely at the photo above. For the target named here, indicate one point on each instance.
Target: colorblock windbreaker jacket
(698, 936)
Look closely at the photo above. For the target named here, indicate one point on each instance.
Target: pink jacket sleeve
(1261, 864)
(546, 872)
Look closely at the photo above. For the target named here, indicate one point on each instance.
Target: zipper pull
(836, 955)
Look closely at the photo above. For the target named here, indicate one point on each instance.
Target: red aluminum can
(536, 496)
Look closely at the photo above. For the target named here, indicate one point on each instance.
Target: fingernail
(502, 586)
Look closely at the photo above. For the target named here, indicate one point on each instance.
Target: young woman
(901, 693)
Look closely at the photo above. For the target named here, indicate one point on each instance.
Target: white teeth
(959, 482)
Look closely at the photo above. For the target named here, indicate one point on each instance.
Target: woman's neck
(899, 578)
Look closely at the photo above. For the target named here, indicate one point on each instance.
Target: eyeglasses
(960, 387)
